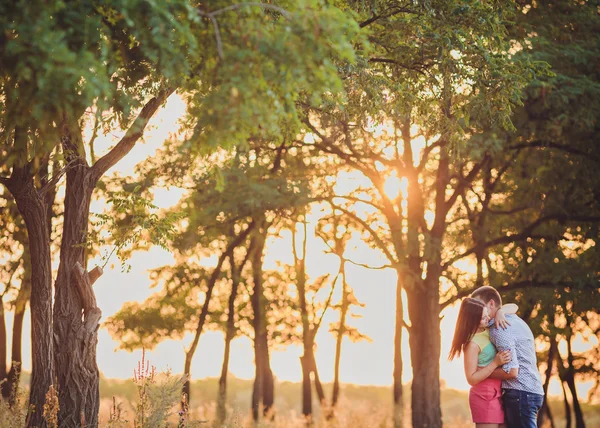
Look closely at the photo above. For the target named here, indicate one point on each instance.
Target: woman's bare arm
(476, 374)
(500, 319)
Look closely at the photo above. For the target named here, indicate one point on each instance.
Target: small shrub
(51, 408)
(14, 415)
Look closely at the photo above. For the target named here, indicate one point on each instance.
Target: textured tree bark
(33, 209)
(75, 336)
(423, 307)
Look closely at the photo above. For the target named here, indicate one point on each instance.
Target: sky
(362, 363)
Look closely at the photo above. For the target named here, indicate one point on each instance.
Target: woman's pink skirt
(485, 400)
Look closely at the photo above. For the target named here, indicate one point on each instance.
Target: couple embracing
(500, 362)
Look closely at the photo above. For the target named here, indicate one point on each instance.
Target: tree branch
(399, 64)
(547, 144)
(516, 237)
(56, 178)
(466, 180)
(392, 12)
(212, 17)
(316, 326)
(514, 286)
(525, 234)
(380, 244)
(133, 134)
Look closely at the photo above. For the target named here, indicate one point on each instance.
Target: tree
(533, 217)
(436, 73)
(336, 230)
(17, 270)
(310, 311)
(119, 63)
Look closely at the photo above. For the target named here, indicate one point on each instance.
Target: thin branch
(12, 271)
(316, 327)
(366, 266)
(350, 198)
(212, 281)
(425, 154)
(344, 259)
(278, 9)
(212, 16)
(508, 212)
(380, 244)
(215, 24)
(93, 138)
(466, 180)
(398, 64)
(56, 178)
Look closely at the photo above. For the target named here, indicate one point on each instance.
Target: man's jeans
(521, 408)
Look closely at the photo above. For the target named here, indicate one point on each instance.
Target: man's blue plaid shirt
(517, 338)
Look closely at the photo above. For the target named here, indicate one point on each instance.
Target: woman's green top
(486, 347)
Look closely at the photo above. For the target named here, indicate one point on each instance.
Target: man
(521, 383)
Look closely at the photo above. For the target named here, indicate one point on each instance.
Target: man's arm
(510, 308)
(499, 373)
(503, 340)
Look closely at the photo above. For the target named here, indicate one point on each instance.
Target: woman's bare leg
(490, 426)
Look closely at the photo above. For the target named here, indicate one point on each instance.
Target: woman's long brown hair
(469, 318)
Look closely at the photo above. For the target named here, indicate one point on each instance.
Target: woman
(472, 338)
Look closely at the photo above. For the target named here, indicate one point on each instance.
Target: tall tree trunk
(3, 344)
(318, 385)
(545, 412)
(204, 314)
(570, 380)
(424, 300)
(32, 207)
(268, 380)
(423, 307)
(187, 369)
(5, 387)
(14, 375)
(307, 343)
(261, 378)
(306, 365)
(229, 335)
(399, 325)
(568, 416)
(335, 395)
(75, 337)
